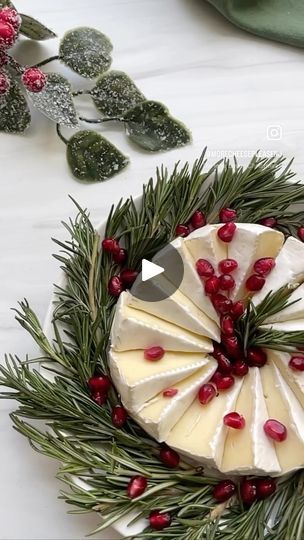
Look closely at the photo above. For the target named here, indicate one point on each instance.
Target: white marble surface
(229, 87)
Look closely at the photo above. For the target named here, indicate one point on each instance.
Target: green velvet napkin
(281, 20)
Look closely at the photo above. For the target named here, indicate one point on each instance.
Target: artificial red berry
(222, 382)
(110, 245)
(226, 282)
(227, 215)
(221, 303)
(5, 84)
(137, 486)
(204, 268)
(7, 35)
(99, 383)
(212, 285)
(256, 357)
(115, 286)
(169, 457)
(248, 491)
(154, 353)
(275, 430)
(128, 276)
(120, 256)
(182, 230)
(264, 266)
(227, 265)
(240, 368)
(170, 392)
(226, 232)
(269, 222)
(237, 310)
(99, 398)
(232, 346)
(11, 16)
(224, 490)
(159, 521)
(297, 363)
(4, 59)
(198, 220)
(301, 233)
(227, 325)
(34, 80)
(119, 416)
(234, 420)
(255, 282)
(206, 393)
(266, 486)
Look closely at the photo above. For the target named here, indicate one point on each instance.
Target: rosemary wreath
(78, 432)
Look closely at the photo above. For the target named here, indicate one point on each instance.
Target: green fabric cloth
(281, 20)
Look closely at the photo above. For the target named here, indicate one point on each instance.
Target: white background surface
(227, 86)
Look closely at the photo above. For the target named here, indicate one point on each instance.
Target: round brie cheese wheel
(161, 394)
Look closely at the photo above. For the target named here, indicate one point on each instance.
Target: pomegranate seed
(224, 490)
(234, 420)
(120, 256)
(256, 357)
(226, 282)
(170, 392)
(119, 416)
(99, 398)
(248, 491)
(297, 363)
(128, 276)
(237, 310)
(110, 245)
(264, 266)
(206, 393)
(240, 368)
(222, 382)
(255, 283)
(115, 286)
(182, 230)
(275, 430)
(11, 16)
(169, 457)
(204, 268)
(227, 265)
(198, 220)
(99, 383)
(266, 486)
(154, 353)
(159, 521)
(34, 80)
(5, 84)
(301, 233)
(8, 35)
(137, 486)
(221, 303)
(269, 222)
(212, 285)
(232, 346)
(227, 325)
(227, 214)
(226, 233)
(224, 364)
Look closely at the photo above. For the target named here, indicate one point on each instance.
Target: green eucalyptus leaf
(92, 158)
(33, 29)
(87, 51)
(6, 3)
(56, 100)
(150, 125)
(115, 93)
(15, 115)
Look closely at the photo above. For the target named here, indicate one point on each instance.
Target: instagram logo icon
(274, 132)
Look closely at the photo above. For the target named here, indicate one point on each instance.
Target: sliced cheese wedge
(250, 243)
(161, 413)
(134, 329)
(293, 311)
(296, 411)
(138, 380)
(286, 326)
(200, 433)
(294, 379)
(204, 243)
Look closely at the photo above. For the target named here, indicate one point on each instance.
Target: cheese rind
(295, 379)
(293, 311)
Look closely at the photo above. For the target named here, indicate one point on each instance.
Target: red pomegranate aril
(119, 416)
(99, 383)
(240, 368)
(99, 398)
(297, 363)
(227, 325)
(227, 215)
(237, 310)
(256, 357)
(115, 286)
(232, 346)
(221, 381)
(275, 430)
(182, 230)
(128, 276)
(226, 266)
(224, 365)
(264, 266)
(159, 521)
(206, 393)
(120, 256)
(226, 233)
(226, 282)
(212, 285)
(301, 233)
(224, 490)
(204, 268)
(137, 486)
(110, 245)
(248, 491)
(154, 353)
(266, 486)
(221, 303)
(255, 283)
(234, 420)
(269, 222)
(169, 457)
(198, 220)
(170, 392)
